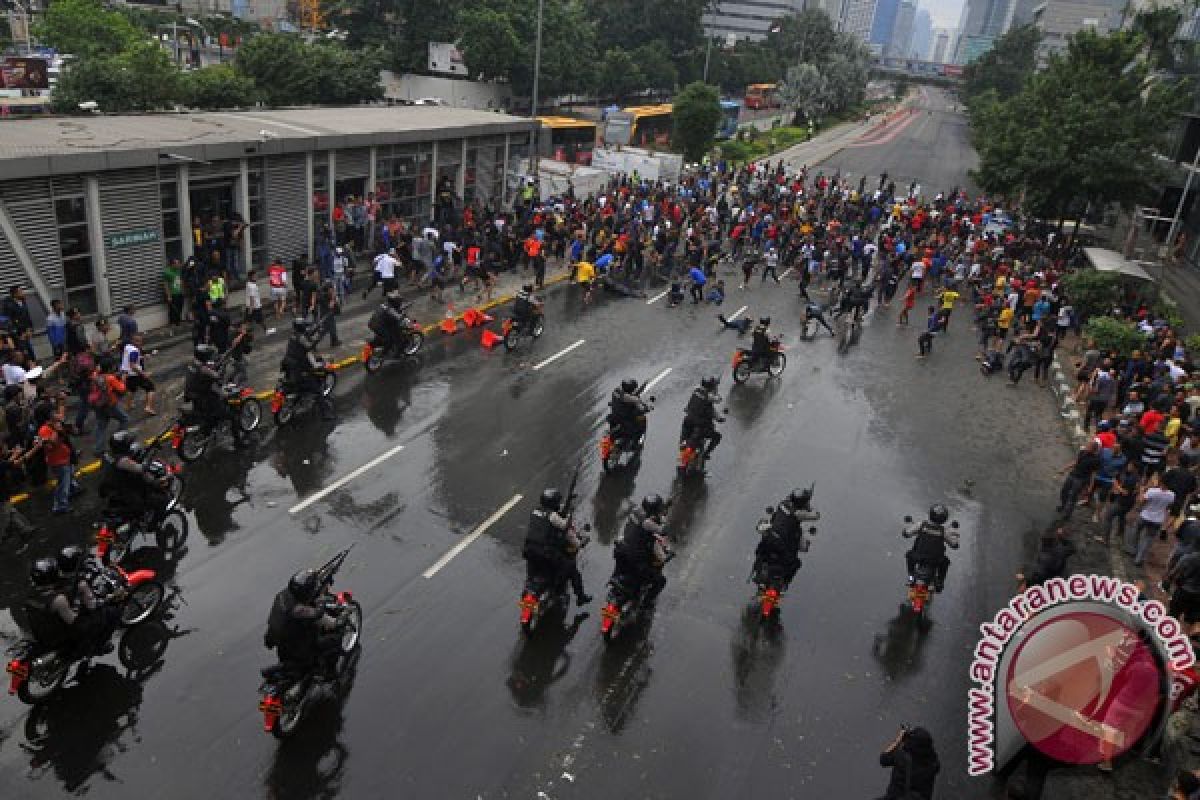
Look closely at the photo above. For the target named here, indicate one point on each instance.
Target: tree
(656, 66)
(489, 42)
(697, 112)
(220, 86)
(805, 91)
(1004, 68)
(1113, 334)
(142, 78)
(1092, 293)
(85, 28)
(618, 74)
(1084, 131)
(287, 71)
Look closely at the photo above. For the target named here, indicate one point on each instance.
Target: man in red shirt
(1151, 419)
(55, 443)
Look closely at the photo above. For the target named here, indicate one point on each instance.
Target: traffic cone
(489, 339)
(449, 324)
(472, 318)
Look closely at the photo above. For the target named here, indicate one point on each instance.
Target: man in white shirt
(386, 265)
(1152, 514)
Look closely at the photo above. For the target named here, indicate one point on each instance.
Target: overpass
(917, 71)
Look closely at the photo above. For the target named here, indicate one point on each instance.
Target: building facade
(90, 216)
(747, 19)
(983, 21)
(884, 22)
(1058, 20)
(857, 16)
(941, 43)
(922, 35)
(900, 45)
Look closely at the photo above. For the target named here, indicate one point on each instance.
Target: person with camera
(914, 764)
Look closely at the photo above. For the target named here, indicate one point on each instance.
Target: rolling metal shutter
(129, 201)
(287, 208)
(354, 163)
(31, 207)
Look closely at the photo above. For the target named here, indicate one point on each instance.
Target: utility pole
(534, 135)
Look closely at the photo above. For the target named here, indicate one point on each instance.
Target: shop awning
(1112, 261)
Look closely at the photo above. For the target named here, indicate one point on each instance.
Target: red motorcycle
(37, 672)
(288, 690)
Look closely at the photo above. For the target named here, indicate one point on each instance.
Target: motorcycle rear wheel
(328, 383)
(351, 637)
(290, 717)
(286, 413)
(193, 446)
(510, 340)
(142, 602)
(42, 683)
(374, 361)
(249, 415)
(778, 365)
(741, 373)
(414, 342)
(539, 326)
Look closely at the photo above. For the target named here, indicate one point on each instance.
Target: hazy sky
(945, 13)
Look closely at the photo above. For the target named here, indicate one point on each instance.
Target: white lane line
(785, 273)
(472, 536)
(333, 487)
(654, 381)
(736, 314)
(559, 354)
(657, 297)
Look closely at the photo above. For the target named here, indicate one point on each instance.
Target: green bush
(1092, 292)
(1192, 343)
(739, 152)
(1113, 334)
(1168, 311)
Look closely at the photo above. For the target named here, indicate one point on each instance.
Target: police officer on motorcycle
(642, 550)
(760, 345)
(302, 367)
(551, 544)
(300, 630)
(783, 536)
(202, 388)
(628, 412)
(700, 416)
(134, 490)
(931, 539)
(63, 613)
(388, 320)
(525, 305)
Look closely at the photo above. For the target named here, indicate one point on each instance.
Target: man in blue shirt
(698, 280)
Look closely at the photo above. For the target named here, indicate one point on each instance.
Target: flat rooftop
(63, 145)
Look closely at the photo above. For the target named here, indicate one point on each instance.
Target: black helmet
(552, 499)
(800, 498)
(764, 321)
(70, 559)
(44, 572)
(204, 352)
(629, 385)
(653, 504)
(303, 584)
(527, 288)
(710, 383)
(121, 443)
(938, 514)
(299, 325)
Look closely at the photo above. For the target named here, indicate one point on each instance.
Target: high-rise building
(941, 43)
(922, 35)
(747, 19)
(1058, 20)
(834, 8)
(900, 45)
(885, 20)
(857, 16)
(980, 25)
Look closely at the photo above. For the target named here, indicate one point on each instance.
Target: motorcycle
(744, 364)
(36, 672)
(513, 329)
(289, 690)
(920, 584)
(380, 347)
(115, 534)
(693, 454)
(769, 577)
(544, 594)
(625, 606)
(192, 433)
(619, 448)
(288, 401)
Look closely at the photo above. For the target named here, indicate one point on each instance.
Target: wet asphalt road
(450, 701)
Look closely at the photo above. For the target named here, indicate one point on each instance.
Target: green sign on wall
(115, 241)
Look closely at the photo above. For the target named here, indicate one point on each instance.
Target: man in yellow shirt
(948, 297)
(1002, 324)
(585, 276)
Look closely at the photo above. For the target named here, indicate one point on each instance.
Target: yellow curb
(499, 301)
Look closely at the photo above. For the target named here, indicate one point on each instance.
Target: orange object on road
(490, 339)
